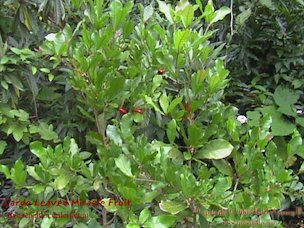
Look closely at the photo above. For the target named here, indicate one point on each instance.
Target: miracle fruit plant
(152, 83)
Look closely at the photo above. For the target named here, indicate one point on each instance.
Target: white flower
(242, 119)
(299, 112)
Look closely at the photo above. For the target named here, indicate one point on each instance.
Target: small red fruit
(123, 111)
(139, 110)
(161, 71)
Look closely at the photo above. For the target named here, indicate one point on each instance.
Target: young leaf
(187, 15)
(181, 38)
(18, 173)
(209, 12)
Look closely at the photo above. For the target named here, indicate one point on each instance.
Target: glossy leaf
(216, 149)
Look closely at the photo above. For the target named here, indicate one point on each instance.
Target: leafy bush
(149, 87)
(265, 50)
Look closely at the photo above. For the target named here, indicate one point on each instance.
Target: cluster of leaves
(29, 88)
(265, 57)
(147, 90)
(266, 50)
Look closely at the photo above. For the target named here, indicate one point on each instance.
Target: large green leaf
(61, 181)
(38, 149)
(144, 215)
(216, 149)
(114, 135)
(181, 37)
(165, 9)
(187, 15)
(124, 164)
(18, 173)
(115, 87)
(284, 96)
(220, 14)
(280, 126)
(172, 207)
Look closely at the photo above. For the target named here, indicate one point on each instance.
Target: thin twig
(236, 184)
(104, 218)
(112, 219)
(148, 180)
(231, 17)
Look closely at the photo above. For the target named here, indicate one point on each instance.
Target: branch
(231, 17)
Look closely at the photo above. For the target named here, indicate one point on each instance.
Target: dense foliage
(141, 101)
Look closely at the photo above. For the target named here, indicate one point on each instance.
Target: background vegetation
(140, 100)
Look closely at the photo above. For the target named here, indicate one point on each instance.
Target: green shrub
(151, 86)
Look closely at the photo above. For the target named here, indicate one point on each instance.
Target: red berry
(161, 71)
(139, 110)
(123, 111)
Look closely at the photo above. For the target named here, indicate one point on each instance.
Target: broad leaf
(181, 38)
(113, 134)
(61, 181)
(284, 96)
(18, 173)
(124, 164)
(220, 14)
(165, 9)
(216, 149)
(172, 207)
(148, 12)
(144, 215)
(280, 126)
